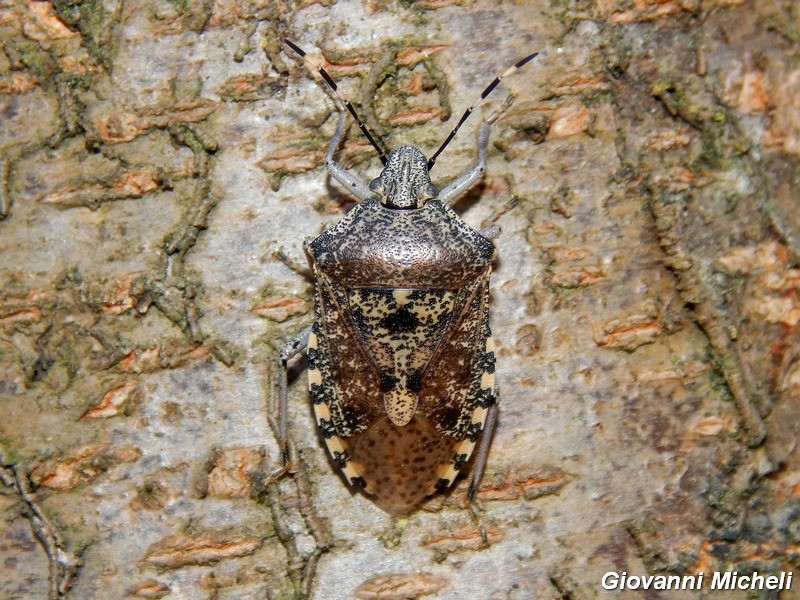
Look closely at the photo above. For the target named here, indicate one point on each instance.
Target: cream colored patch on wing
(479, 415)
(321, 411)
(401, 296)
(400, 405)
(465, 446)
(487, 381)
(447, 471)
(336, 445)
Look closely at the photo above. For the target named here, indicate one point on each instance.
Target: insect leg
(353, 184)
(477, 470)
(461, 184)
(490, 233)
(292, 264)
(291, 349)
(483, 451)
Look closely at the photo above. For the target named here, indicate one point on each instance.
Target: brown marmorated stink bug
(400, 356)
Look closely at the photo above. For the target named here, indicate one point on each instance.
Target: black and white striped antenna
(365, 130)
(335, 89)
(489, 88)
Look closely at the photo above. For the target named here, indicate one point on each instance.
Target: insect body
(400, 356)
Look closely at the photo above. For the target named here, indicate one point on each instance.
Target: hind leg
(277, 420)
(477, 471)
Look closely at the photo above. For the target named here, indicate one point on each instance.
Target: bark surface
(160, 166)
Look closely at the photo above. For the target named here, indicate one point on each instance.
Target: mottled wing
(369, 347)
(402, 463)
(458, 385)
(344, 384)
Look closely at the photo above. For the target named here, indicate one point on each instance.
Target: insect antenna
(335, 89)
(489, 88)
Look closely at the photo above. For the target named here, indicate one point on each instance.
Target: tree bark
(160, 166)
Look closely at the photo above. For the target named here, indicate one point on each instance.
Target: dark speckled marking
(400, 321)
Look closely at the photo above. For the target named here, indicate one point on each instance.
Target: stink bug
(400, 356)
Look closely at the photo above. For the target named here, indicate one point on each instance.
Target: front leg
(464, 182)
(353, 184)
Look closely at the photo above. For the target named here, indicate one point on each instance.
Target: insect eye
(430, 191)
(376, 185)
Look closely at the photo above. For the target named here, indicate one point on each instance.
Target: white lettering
(688, 582)
(610, 581)
(613, 580)
(721, 581)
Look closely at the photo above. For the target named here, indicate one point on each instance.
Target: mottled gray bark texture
(160, 166)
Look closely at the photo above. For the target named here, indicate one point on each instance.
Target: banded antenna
(519, 64)
(335, 89)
